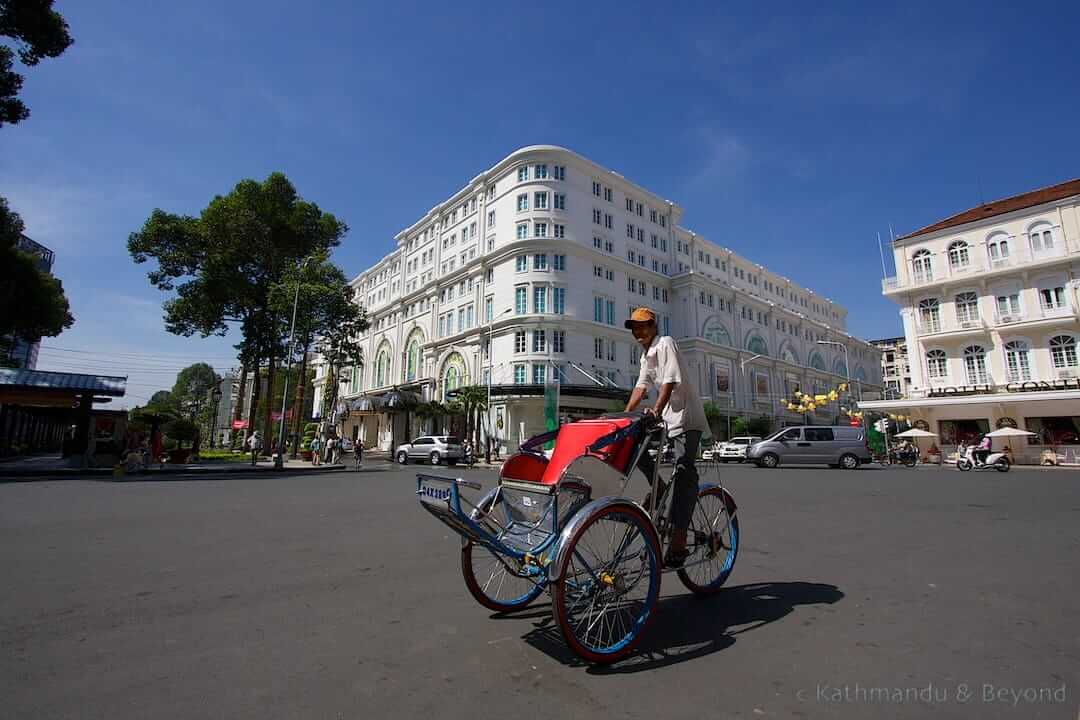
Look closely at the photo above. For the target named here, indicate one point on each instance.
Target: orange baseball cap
(640, 315)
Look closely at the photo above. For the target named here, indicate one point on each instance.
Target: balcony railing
(977, 262)
(1055, 311)
(926, 327)
(1008, 318)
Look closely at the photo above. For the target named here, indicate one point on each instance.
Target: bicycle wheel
(713, 539)
(609, 581)
(497, 582)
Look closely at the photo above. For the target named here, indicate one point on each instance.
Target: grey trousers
(684, 478)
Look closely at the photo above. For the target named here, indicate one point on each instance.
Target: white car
(346, 445)
(433, 448)
(735, 448)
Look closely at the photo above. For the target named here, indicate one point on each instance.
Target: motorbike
(908, 456)
(965, 460)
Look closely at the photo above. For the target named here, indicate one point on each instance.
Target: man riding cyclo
(678, 403)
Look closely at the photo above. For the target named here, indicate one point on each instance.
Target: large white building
(546, 253)
(991, 318)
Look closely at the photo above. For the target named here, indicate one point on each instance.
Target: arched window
(1041, 236)
(937, 366)
(715, 332)
(788, 353)
(922, 266)
(958, 255)
(413, 355)
(453, 374)
(382, 365)
(975, 365)
(357, 377)
(930, 315)
(839, 368)
(967, 309)
(860, 374)
(1017, 361)
(1063, 351)
(998, 248)
(816, 362)
(757, 345)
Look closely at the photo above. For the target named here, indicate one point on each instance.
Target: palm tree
(429, 412)
(474, 399)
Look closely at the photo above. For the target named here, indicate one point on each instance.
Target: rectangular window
(491, 218)
(461, 319)
(540, 229)
(519, 374)
(540, 172)
(598, 271)
(523, 173)
(523, 231)
(539, 341)
(629, 205)
(523, 202)
(540, 261)
(609, 246)
(558, 301)
(598, 309)
(597, 243)
(442, 326)
(629, 231)
(597, 216)
(489, 309)
(610, 305)
(560, 201)
(558, 341)
(539, 299)
(558, 230)
(596, 189)
(521, 299)
(539, 373)
(521, 263)
(469, 312)
(611, 350)
(641, 236)
(598, 348)
(449, 323)
(559, 260)
(608, 220)
(663, 221)
(652, 215)
(540, 200)
(519, 341)
(560, 172)
(608, 195)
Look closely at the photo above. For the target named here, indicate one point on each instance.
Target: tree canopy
(32, 302)
(38, 32)
(192, 388)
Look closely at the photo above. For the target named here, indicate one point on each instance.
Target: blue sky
(791, 135)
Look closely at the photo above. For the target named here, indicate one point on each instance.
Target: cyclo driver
(678, 403)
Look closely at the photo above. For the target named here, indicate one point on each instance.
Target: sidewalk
(53, 466)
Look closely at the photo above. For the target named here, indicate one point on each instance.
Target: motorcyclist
(982, 450)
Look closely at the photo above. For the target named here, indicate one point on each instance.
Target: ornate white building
(991, 318)
(546, 253)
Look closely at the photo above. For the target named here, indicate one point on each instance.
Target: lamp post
(742, 371)
(279, 459)
(491, 359)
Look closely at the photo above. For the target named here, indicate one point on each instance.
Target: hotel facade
(541, 258)
(991, 318)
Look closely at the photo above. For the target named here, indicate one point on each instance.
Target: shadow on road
(687, 627)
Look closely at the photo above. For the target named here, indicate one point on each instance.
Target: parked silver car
(433, 448)
(839, 446)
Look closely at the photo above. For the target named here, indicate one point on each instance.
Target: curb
(151, 474)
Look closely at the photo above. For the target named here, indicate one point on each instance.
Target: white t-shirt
(662, 363)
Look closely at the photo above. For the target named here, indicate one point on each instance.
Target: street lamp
(279, 459)
(491, 359)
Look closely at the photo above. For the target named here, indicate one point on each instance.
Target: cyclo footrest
(441, 497)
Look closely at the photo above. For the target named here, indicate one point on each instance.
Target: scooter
(965, 460)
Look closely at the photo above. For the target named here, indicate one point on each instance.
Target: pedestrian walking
(254, 444)
(358, 454)
(316, 448)
(332, 450)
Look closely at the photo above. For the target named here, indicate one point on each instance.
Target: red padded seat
(571, 443)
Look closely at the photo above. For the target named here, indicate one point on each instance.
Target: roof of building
(1005, 205)
(98, 384)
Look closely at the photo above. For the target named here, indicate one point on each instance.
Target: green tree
(223, 265)
(473, 399)
(339, 342)
(315, 287)
(713, 416)
(38, 32)
(181, 430)
(32, 302)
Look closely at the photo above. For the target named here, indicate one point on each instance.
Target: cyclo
(562, 522)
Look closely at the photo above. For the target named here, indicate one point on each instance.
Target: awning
(56, 389)
(981, 399)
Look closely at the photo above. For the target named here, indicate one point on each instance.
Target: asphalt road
(336, 596)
